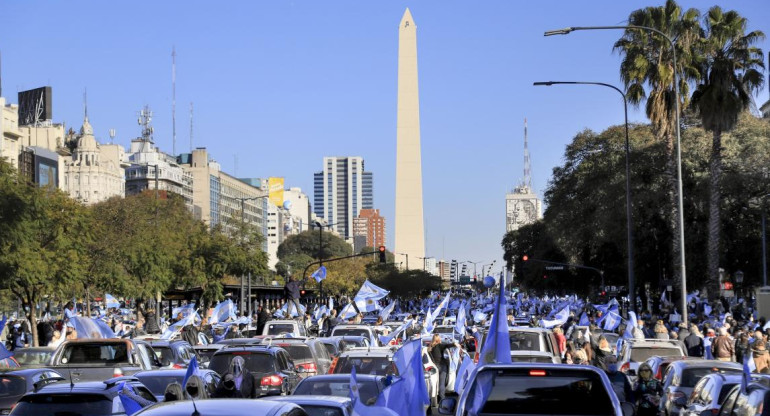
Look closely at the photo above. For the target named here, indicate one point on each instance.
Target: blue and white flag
(110, 301)
(479, 316)
(223, 311)
(559, 319)
(385, 339)
(663, 297)
(367, 297)
(319, 312)
(612, 321)
(584, 320)
(331, 304)
(746, 376)
(497, 347)
(630, 325)
(347, 312)
(460, 320)
(707, 309)
(319, 274)
(178, 326)
(466, 368)
(414, 399)
(91, 328)
(385, 313)
(284, 311)
(192, 370)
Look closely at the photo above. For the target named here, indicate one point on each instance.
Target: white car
(431, 377)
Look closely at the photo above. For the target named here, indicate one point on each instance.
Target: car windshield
(94, 353)
(27, 357)
(525, 341)
(639, 354)
(356, 332)
(331, 349)
(64, 404)
(365, 365)
(255, 362)
(297, 352)
(158, 384)
(280, 329)
(11, 386)
(690, 376)
(340, 388)
(355, 342)
(313, 410)
(552, 392)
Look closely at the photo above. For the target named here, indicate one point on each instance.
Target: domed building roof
(87, 142)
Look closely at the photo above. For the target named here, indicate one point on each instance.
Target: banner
(275, 190)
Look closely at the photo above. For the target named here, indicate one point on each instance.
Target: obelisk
(410, 238)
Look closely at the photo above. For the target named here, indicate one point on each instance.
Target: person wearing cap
(707, 340)
(722, 347)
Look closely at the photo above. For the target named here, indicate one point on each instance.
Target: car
(377, 361)
(659, 364)
(223, 407)
(681, 377)
(530, 339)
(309, 354)
(370, 386)
(447, 333)
(241, 341)
(33, 357)
(710, 392)
(158, 380)
(334, 346)
(281, 327)
(320, 405)
(753, 401)
(526, 389)
(173, 353)
(82, 398)
(9, 364)
(635, 351)
(15, 384)
(273, 370)
(430, 372)
(96, 359)
(357, 330)
(352, 341)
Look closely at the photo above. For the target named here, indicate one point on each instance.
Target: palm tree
(647, 70)
(731, 69)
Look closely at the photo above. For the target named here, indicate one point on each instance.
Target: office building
(341, 190)
(371, 225)
(94, 172)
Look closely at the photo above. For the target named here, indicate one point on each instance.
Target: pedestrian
(436, 351)
(325, 327)
(602, 353)
(637, 331)
(561, 340)
(707, 340)
(661, 332)
(619, 381)
(742, 347)
(722, 347)
(262, 318)
(683, 332)
(293, 295)
(173, 392)
(761, 357)
(647, 392)
(694, 342)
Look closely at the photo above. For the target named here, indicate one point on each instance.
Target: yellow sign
(275, 188)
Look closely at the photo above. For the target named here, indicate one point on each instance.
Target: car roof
(248, 348)
(368, 352)
(218, 407)
(90, 387)
(282, 321)
(353, 326)
(26, 372)
(35, 349)
(705, 363)
(531, 353)
(209, 347)
(303, 399)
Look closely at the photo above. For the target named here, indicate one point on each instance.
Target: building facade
(94, 172)
(522, 207)
(149, 169)
(299, 210)
(10, 135)
(341, 190)
(370, 224)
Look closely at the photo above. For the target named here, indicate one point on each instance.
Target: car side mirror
(447, 406)
(627, 408)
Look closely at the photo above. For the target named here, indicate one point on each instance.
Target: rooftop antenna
(173, 100)
(1, 74)
(145, 118)
(191, 126)
(112, 136)
(85, 102)
(527, 163)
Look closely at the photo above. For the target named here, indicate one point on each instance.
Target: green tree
(730, 72)
(647, 71)
(42, 235)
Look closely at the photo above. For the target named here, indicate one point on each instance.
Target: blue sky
(281, 84)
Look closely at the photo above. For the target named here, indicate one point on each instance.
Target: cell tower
(527, 162)
(173, 100)
(145, 118)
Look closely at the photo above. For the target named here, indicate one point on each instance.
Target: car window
(726, 388)
(356, 332)
(705, 393)
(727, 406)
(64, 404)
(255, 362)
(280, 329)
(339, 388)
(690, 376)
(330, 349)
(12, 386)
(365, 365)
(317, 410)
(639, 354)
(94, 353)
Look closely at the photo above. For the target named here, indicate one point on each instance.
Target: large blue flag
(559, 319)
(192, 370)
(178, 326)
(412, 398)
(497, 347)
(367, 297)
(466, 368)
(460, 320)
(385, 313)
(319, 274)
(110, 301)
(611, 320)
(746, 378)
(584, 320)
(91, 328)
(223, 311)
(385, 339)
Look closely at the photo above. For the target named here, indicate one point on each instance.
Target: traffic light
(524, 258)
(382, 255)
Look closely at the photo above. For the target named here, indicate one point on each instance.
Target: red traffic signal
(382, 255)
(525, 257)
(727, 285)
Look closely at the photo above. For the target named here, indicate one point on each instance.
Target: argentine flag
(367, 297)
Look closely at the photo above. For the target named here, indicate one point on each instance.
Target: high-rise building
(444, 270)
(410, 238)
(149, 168)
(94, 173)
(9, 133)
(522, 206)
(298, 219)
(340, 191)
(370, 224)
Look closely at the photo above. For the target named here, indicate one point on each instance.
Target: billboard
(275, 190)
(35, 105)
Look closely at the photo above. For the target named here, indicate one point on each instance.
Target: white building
(298, 218)
(522, 207)
(95, 172)
(10, 134)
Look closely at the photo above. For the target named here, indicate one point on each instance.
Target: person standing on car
(436, 350)
(647, 392)
(293, 294)
(262, 318)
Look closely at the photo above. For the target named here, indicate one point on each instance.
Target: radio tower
(527, 162)
(173, 100)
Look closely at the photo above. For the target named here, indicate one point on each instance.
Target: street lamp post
(629, 219)
(682, 267)
(243, 284)
(407, 259)
(320, 253)
(424, 263)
